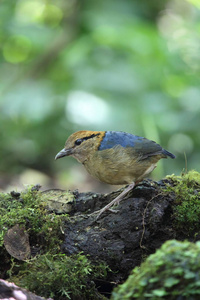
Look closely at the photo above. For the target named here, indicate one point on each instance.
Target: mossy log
(63, 222)
(148, 216)
(141, 224)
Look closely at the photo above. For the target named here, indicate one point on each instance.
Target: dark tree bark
(141, 225)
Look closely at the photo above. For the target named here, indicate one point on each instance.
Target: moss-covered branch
(71, 254)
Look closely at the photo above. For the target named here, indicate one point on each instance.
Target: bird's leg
(115, 201)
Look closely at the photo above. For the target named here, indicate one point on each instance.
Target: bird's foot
(116, 201)
(105, 208)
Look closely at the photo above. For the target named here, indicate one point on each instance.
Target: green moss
(50, 273)
(61, 276)
(192, 178)
(186, 208)
(174, 270)
(44, 227)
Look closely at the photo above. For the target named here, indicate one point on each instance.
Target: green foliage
(135, 66)
(173, 271)
(61, 276)
(41, 225)
(186, 209)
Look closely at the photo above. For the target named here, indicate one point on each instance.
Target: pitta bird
(114, 157)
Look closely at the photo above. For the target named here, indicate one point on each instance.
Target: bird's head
(81, 144)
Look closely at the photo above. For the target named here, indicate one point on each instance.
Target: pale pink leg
(115, 201)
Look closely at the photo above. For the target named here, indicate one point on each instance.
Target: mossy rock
(173, 272)
(28, 209)
(27, 217)
(186, 207)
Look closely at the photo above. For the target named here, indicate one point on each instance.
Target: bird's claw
(116, 201)
(101, 211)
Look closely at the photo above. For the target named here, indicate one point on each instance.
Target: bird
(114, 157)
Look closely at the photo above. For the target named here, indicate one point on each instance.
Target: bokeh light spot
(29, 11)
(17, 49)
(38, 12)
(85, 108)
(51, 15)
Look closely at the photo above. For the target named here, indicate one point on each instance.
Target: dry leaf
(16, 242)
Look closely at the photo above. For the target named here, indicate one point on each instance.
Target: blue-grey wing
(141, 146)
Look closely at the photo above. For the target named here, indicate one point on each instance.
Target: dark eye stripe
(79, 141)
(90, 137)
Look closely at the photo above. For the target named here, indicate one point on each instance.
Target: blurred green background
(69, 65)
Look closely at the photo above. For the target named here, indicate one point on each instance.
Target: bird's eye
(78, 142)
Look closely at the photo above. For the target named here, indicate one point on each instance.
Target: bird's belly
(115, 178)
(119, 173)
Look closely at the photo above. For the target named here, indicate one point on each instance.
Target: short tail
(165, 152)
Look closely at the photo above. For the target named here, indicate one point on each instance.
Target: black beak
(63, 152)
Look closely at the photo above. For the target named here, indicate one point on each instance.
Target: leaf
(189, 275)
(178, 271)
(159, 293)
(169, 282)
(16, 242)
